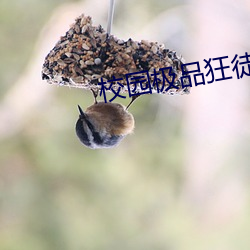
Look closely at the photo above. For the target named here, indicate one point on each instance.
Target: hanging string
(110, 15)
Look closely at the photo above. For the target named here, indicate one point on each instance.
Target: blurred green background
(181, 181)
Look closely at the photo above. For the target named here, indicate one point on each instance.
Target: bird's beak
(82, 115)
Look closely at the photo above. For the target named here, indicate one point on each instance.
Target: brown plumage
(111, 117)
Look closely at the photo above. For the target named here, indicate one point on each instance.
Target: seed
(128, 50)
(88, 62)
(119, 59)
(88, 76)
(95, 76)
(134, 45)
(77, 51)
(64, 43)
(68, 54)
(84, 28)
(85, 46)
(120, 42)
(77, 57)
(77, 79)
(126, 56)
(154, 49)
(78, 70)
(98, 61)
(77, 29)
(61, 62)
(93, 43)
(83, 21)
(103, 37)
(69, 60)
(145, 42)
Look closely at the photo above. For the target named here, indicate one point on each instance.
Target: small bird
(104, 125)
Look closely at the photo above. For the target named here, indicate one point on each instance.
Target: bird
(104, 125)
